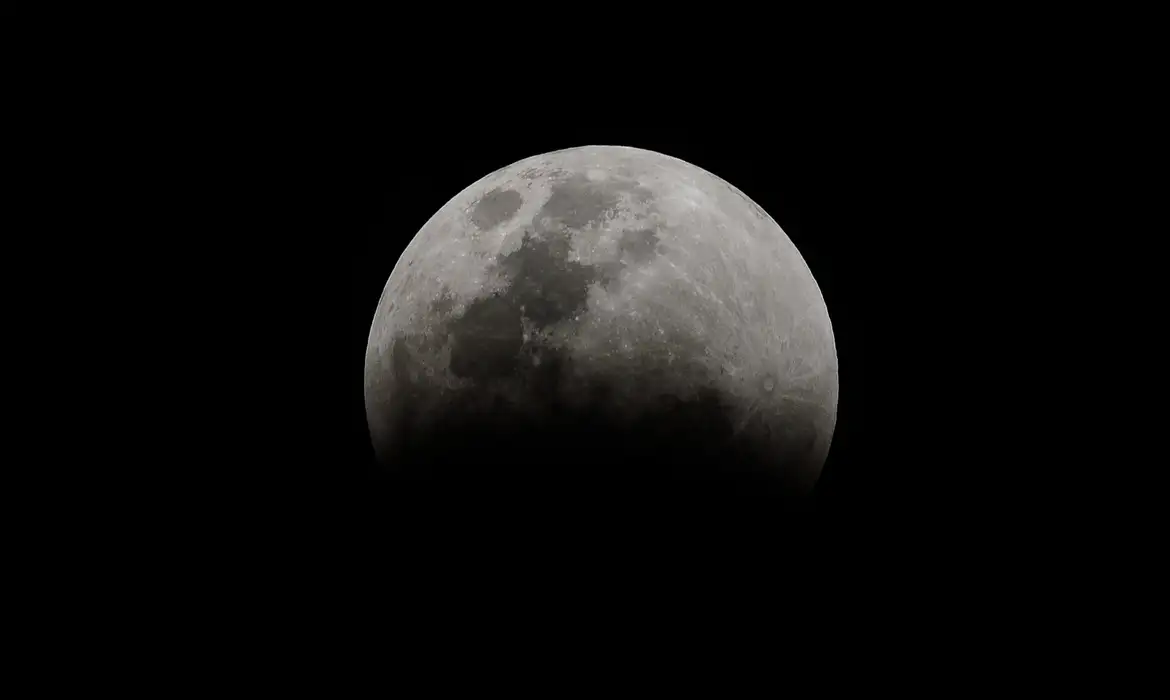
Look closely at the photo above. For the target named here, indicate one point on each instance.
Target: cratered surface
(602, 315)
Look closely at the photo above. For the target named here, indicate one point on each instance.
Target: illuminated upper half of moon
(714, 250)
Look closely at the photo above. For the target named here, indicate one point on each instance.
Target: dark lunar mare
(496, 207)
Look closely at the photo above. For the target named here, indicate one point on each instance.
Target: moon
(602, 313)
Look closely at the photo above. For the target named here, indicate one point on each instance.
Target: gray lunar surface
(611, 287)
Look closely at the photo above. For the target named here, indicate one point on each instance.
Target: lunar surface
(602, 315)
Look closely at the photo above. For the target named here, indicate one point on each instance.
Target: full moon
(604, 315)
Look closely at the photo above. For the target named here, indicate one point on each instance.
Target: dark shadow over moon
(488, 453)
